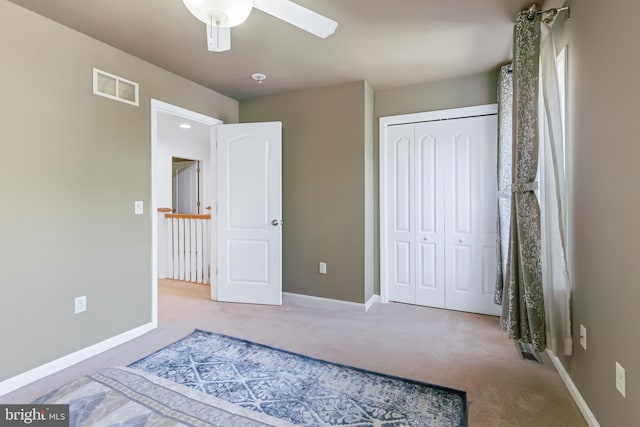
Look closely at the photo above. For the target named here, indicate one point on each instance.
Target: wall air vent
(114, 87)
(527, 352)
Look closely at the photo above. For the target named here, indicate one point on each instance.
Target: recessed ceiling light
(185, 125)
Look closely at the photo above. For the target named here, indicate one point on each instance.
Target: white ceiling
(388, 43)
(170, 130)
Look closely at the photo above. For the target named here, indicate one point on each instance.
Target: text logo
(34, 415)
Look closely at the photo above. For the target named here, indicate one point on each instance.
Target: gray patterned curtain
(522, 299)
(505, 138)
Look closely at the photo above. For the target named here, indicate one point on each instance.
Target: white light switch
(139, 207)
(621, 380)
(323, 268)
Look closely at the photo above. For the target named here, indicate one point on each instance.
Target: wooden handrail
(187, 216)
(161, 210)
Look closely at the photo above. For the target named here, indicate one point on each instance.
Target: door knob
(275, 222)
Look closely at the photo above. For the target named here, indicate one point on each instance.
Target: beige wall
(604, 152)
(73, 164)
(330, 167)
(479, 89)
(324, 146)
(371, 283)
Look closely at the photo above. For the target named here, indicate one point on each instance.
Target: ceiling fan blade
(299, 16)
(218, 38)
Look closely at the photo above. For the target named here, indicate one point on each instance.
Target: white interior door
(185, 183)
(249, 217)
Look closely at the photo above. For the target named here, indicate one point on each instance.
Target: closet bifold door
(400, 214)
(429, 193)
(416, 215)
(470, 212)
(440, 213)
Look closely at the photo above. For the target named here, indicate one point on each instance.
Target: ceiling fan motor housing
(221, 13)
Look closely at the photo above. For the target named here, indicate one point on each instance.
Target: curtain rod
(551, 13)
(560, 9)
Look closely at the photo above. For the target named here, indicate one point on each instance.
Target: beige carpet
(458, 350)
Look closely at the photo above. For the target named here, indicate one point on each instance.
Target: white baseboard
(54, 366)
(375, 299)
(326, 303)
(577, 397)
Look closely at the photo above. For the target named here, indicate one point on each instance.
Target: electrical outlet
(323, 268)
(621, 382)
(80, 304)
(583, 337)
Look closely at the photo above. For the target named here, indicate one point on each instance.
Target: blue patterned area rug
(300, 389)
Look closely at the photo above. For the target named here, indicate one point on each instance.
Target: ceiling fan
(221, 15)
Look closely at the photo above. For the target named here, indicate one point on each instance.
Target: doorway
(179, 134)
(186, 185)
(241, 179)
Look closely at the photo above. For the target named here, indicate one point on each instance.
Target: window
(561, 67)
(562, 71)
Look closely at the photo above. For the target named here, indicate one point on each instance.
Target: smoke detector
(259, 77)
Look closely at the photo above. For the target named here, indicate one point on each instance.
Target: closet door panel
(460, 182)
(400, 214)
(462, 272)
(427, 259)
(488, 271)
(459, 238)
(402, 259)
(403, 185)
(429, 192)
(471, 204)
(487, 206)
(426, 180)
